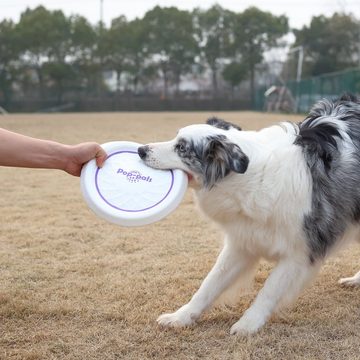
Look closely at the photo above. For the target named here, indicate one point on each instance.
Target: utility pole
(299, 49)
(101, 31)
(101, 12)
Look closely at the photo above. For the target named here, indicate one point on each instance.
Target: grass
(75, 287)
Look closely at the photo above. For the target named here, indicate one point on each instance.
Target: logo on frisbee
(134, 176)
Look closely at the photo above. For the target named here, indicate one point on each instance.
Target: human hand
(78, 155)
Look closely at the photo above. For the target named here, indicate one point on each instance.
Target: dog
(289, 193)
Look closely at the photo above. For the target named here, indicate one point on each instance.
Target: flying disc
(127, 192)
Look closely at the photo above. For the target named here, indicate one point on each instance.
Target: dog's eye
(181, 147)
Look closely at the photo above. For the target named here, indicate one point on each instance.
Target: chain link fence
(299, 96)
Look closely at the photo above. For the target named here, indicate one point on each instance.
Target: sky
(299, 12)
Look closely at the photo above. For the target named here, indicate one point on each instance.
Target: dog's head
(205, 152)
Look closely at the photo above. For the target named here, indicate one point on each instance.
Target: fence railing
(129, 104)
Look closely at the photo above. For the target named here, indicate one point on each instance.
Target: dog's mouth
(190, 176)
(154, 166)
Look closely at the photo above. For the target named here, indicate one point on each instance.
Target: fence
(303, 94)
(130, 104)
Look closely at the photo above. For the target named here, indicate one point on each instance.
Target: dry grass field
(73, 286)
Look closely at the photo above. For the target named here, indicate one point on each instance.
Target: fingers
(77, 156)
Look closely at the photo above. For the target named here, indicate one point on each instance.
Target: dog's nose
(142, 151)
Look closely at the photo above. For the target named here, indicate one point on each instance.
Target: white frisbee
(127, 192)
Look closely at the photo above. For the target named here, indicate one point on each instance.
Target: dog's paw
(247, 325)
(177, 319)
(350, 281)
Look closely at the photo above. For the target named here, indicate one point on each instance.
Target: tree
(82, 38)
(213, 29)
(125, 48)
(330, 43)
(45, 38)
(255, 32)
(171, 42)
(9, 52)
(137, 52)
(83, 59)
(234, 73)
(114, 47)
(61, 74)
(100, 61)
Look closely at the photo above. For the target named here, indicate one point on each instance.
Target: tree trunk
(165, 90)
(177, 83)
(40, 76)
(136, 76)
(118, 75)
(214, 81)
(59, 92)
(5, 87)
(252, 85)
(135, 82)
(165, 76)
(99, 82)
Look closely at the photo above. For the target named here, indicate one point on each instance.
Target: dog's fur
(289, 193)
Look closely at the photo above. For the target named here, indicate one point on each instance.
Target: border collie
(289, 193)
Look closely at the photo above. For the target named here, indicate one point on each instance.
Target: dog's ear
(220, 157)
(350, 97)
(222, 124)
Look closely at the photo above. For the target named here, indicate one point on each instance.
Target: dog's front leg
(282, 287)
(225, 271)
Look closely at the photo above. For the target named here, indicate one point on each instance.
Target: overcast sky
(298, 11)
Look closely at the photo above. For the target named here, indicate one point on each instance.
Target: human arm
(23, 151)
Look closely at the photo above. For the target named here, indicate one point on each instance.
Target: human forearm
(23, 151)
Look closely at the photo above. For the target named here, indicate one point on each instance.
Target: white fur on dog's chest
(261, 216)
(266, 239)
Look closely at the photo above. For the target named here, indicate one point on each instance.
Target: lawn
(73, 286)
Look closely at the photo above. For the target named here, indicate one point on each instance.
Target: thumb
(100, 156)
